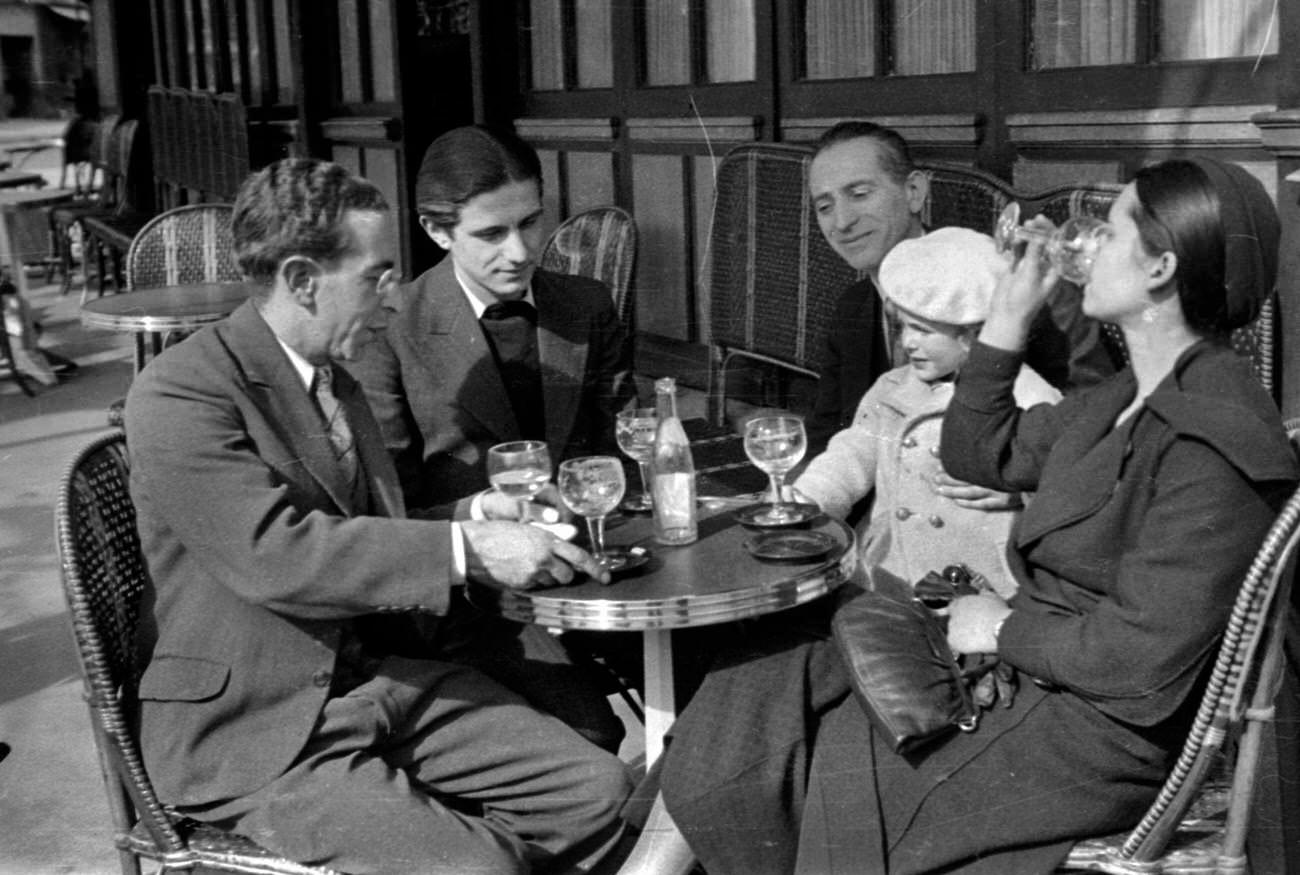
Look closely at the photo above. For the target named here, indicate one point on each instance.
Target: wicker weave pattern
(104, 581)
(599, 243)
(189, 244)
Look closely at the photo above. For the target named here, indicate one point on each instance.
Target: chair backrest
(187, 244)
(1234, 711)
(104, 580)
(599, 243)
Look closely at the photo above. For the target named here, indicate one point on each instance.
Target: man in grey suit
(484, 347)
(289, 694)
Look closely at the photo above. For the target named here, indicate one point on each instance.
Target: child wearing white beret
(940, 286)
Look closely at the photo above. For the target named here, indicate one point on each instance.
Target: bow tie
(509, 309)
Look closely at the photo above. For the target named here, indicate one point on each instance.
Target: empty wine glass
(775, 444)
(519, 470)
(1071, 248)
(635, 430)
(592, 486)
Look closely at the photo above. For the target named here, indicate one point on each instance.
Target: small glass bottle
(672, 472)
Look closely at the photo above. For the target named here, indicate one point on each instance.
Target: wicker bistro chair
(1199, 820)
(109, 148)
(104, 580)
(599, 243)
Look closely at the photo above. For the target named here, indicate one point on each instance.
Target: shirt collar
(305, 369)
(478, 305)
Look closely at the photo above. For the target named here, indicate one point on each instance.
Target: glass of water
(519, 470)
(775, 444)
(635, 430)
(592, 486)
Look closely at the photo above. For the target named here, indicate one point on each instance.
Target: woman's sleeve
(986, 438)
(1137, 652)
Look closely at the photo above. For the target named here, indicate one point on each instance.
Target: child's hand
(974, 497)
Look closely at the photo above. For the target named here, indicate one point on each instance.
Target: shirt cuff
(458, 565)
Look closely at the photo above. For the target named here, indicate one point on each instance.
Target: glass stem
(596, 529)
(524, 507)
(644, 467)
(777, 499)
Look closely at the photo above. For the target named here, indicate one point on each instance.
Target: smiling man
(868, 195)
(484, 347)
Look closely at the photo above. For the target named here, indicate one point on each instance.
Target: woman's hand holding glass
(775, 444)
(519, 470)
(592, 486)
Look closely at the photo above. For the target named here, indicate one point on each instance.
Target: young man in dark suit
(484, 347)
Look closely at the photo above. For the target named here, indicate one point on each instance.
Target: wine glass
(775, 444)
(1071, 248)
(519, 470)
(592, 486)
(635, 430)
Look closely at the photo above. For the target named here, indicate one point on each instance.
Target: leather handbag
(903, 673)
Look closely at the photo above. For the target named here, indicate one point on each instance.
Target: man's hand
(521, 556)
(546, 507)
(969, 495)
(973, 622)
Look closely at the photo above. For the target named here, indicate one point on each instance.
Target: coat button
(909, 442)
(321, 678)
(936, 521)
(903, 513)
(934, 451)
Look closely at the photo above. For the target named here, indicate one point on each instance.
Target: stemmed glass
(1071, 248)
(775, 444)
(592, 486)
(519, 470)
(635, 430)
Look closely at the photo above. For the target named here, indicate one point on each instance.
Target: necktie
(511, 331)
(340, 432)
(508, 309)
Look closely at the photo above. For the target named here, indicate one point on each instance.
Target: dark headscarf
(1251, 232)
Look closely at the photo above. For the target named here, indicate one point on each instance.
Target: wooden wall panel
(551, 187)
(664, 296)
(589, 180)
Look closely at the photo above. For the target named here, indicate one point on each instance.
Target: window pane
(547, 43)
(1198, 29)
(1083, 33)
(668, 42)
(595, 52)
(934, 37)
(730, 40)
(840, 39)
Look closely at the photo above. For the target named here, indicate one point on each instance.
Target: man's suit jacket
(438, 395)
(258, 561)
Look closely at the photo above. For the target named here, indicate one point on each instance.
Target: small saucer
(797, 514)
(639, 503)
(621, 560)
(790, 546)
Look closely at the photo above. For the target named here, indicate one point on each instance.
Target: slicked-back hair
(297, 206)
(895, 156)
(467, 162)
(1178, 211)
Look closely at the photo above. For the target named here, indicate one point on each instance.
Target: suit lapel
(460, 355)
(277, 390)
(562, 341)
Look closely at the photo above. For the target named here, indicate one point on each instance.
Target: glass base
(642, 503)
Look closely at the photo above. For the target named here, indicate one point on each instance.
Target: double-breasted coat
(435, 388)
(891, 452)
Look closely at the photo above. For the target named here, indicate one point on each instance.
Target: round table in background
(150, 313)
(714, 580)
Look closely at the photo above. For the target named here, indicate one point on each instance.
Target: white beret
(947, 275)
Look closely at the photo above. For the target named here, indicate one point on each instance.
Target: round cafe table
(150, 313)
(714, 580)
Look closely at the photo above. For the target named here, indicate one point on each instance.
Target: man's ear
(436, 234)
(917, 186)
(300, 275)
